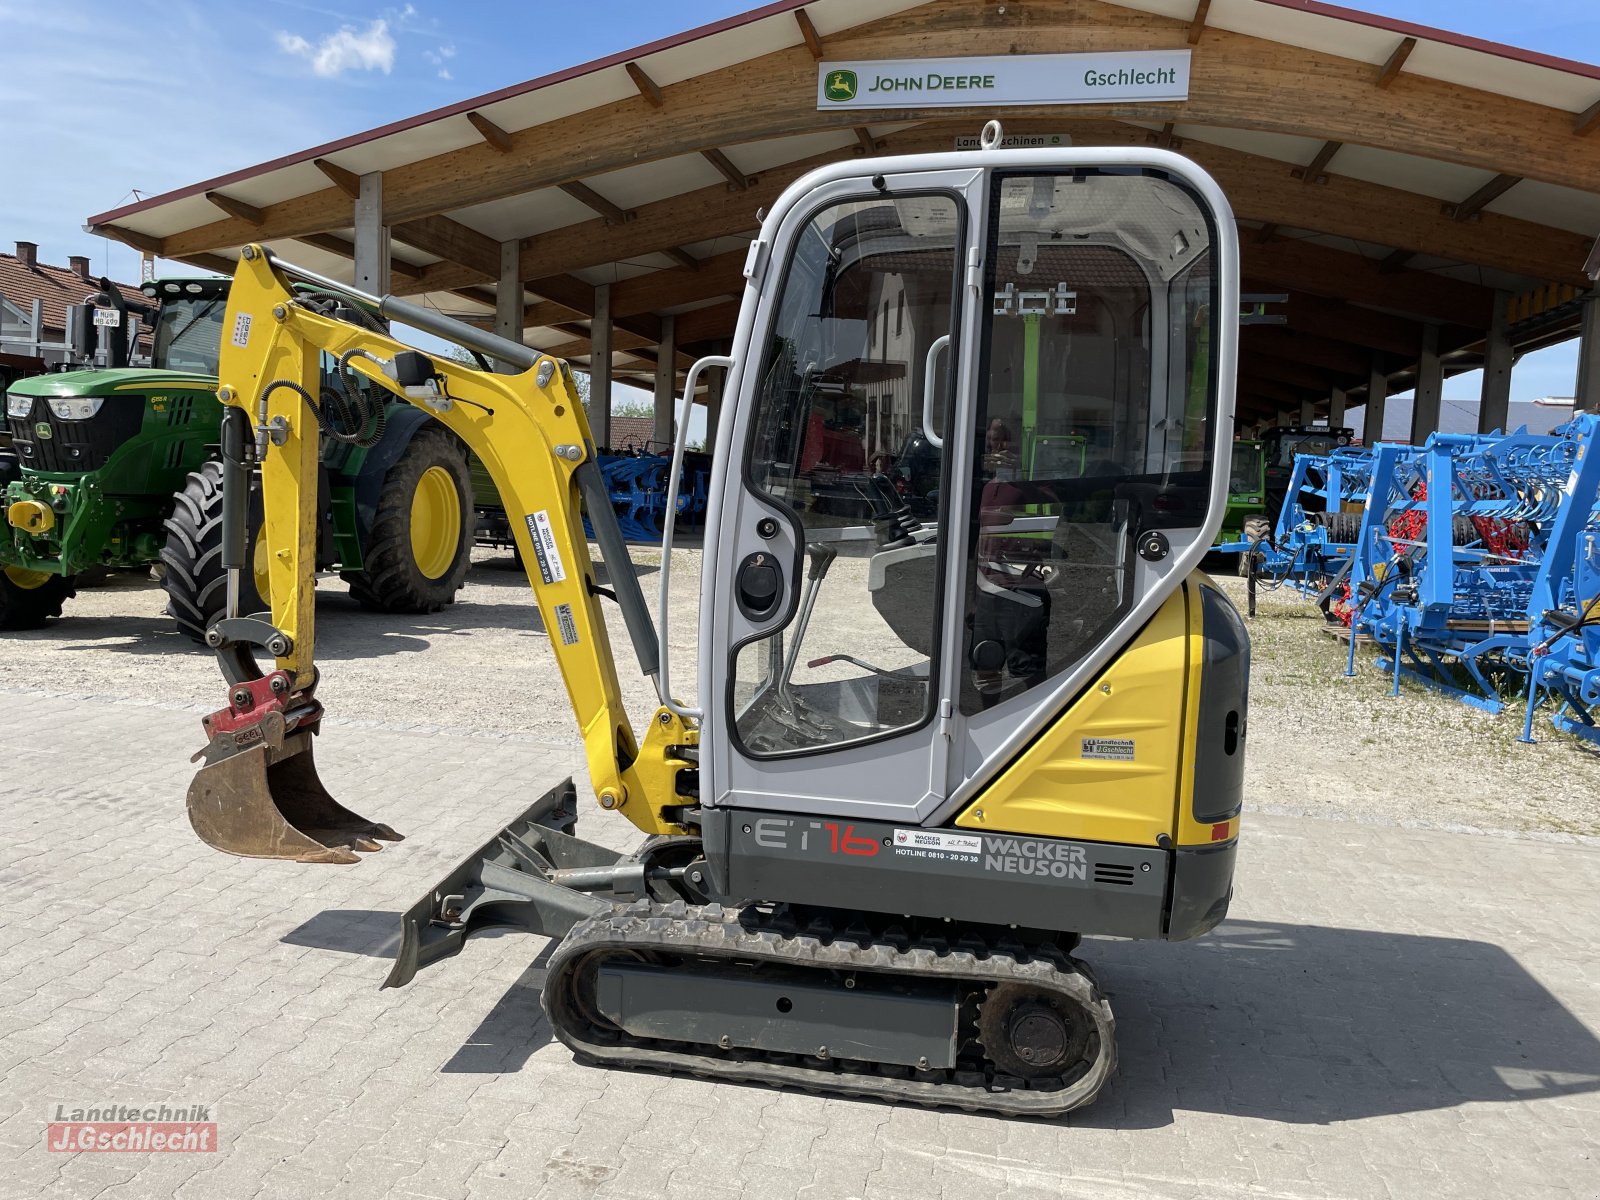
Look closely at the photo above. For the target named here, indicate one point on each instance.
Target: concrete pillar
(1587, 393)
(666, 385)
(600, 368)
(1494, 402)
(1308, 411)
(372, 237)
(1430, 387)
(1377, 397)
(1336, 403)
(508, 297)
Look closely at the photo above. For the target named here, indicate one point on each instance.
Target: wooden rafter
(1507, 134)
(139, 241)
(1266, 233)
(1340, 275)
(647, 86)
(490, 132)
(1391, 69)
(1167, 139)
(1312, 172)
(347, 182)
(345, 248)
(808, 31)
(1486, 195)
(237, 208)
(1395, 261)
(1588, 120)
(452, 241)
(864, 136)
(682, 257)
(585, 195)
(724, 165)
(1197, 25)
(1260, 187)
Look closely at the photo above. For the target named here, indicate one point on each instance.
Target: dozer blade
(265, 801)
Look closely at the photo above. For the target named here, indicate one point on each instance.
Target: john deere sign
(1005, 79)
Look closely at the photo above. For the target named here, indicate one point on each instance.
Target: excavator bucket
(264, 800)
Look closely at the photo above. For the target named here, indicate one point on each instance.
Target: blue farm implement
(1312, 545)
(1465, 544)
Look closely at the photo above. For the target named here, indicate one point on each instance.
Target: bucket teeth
(266, 801)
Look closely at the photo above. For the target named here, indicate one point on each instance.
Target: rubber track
(748, 935)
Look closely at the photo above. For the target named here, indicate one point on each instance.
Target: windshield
(188, 335)
(1291, 445)
(1245, 474)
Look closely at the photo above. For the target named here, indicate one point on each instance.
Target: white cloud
(438, 59)
(348, 49)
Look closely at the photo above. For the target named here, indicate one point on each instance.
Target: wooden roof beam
(648, 87)
(347, 182)
(1312, 172)
(595, 202)
(682, 257)
(1588, 120)
(1293, 345)
(1197, 24)
(808, 32)
(1484, 196)
(238, 208)
(736, 178)
(1395, 262)
(345, 248)
(1391, 69)
(1340, 275)
(1167, 139)
(864, 137)
(452, 241)
(1260, 188)
(139, 241)
(490, 132)
(1511, 135)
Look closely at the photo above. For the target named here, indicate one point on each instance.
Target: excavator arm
(257, 794)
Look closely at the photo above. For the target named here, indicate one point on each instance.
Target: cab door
(823, 598)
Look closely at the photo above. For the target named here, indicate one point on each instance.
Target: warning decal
(1116, 749)
(551, 568)
(565, 625)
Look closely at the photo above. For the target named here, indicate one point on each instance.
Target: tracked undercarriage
(744, 994)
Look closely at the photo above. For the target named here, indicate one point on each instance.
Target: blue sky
(100, 98)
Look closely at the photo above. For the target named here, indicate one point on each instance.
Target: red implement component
(249, 702)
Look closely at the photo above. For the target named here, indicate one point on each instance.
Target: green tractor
(118, 468)
(1247, 491)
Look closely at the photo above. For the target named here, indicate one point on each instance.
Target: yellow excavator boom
(529, 429)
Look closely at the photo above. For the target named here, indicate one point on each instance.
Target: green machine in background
(1247, 490)
(116, 467)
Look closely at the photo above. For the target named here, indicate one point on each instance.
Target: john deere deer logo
(841, 85)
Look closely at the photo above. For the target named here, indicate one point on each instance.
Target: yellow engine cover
(1117, 766)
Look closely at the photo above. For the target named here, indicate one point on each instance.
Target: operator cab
(1063, 471)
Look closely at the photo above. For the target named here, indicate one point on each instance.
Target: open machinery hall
(873, 599)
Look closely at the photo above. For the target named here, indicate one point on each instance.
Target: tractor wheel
(195, 583)
(30, 598)
(420, 545)
(1257, 532)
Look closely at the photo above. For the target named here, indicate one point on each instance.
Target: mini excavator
(930, 752)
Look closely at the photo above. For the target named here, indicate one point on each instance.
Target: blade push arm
(531, 432)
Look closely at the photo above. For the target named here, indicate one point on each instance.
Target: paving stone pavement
(1388, 1013)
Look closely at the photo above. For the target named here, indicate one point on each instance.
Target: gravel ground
(1321, 744)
